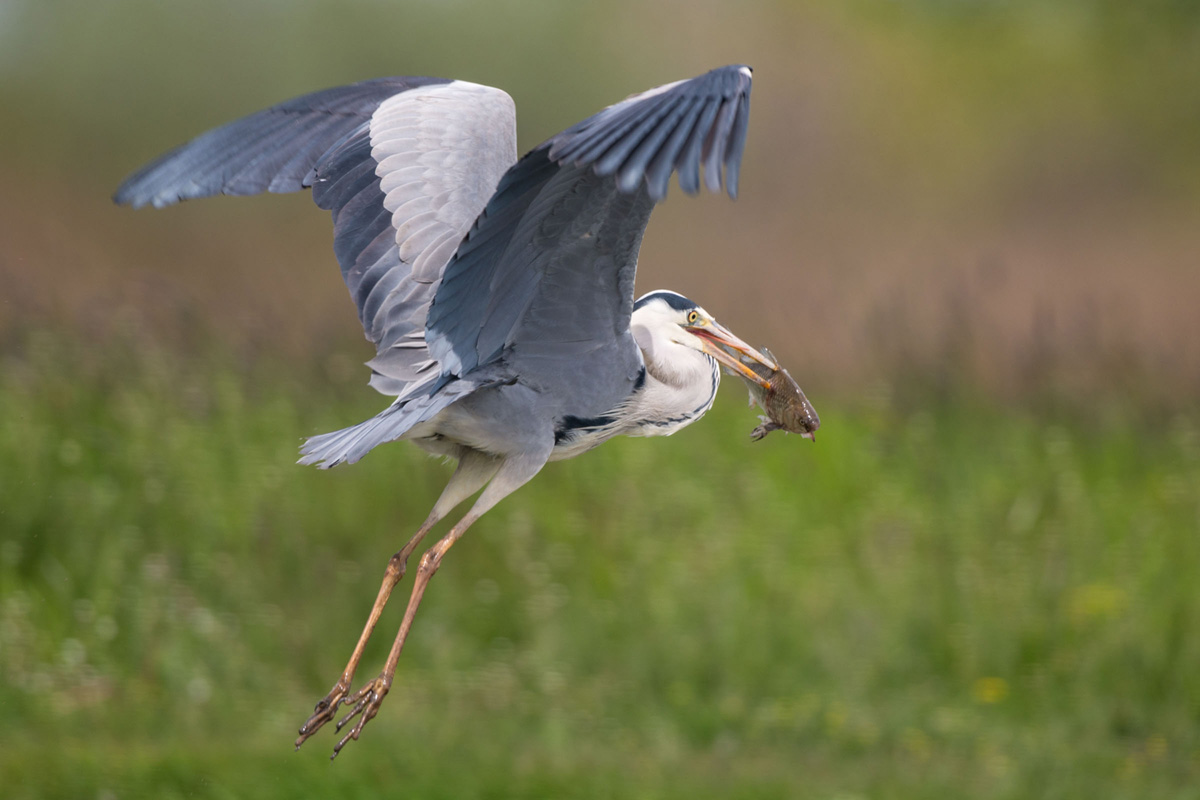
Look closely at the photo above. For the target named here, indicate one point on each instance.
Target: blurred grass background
(969, 228)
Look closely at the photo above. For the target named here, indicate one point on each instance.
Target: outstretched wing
(546, 274)
(405, 165)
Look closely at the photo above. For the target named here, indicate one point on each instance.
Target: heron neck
(673, 398)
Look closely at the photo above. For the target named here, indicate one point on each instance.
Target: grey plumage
(499, 293)
(448, 276)
(404, 165)
(273, 150)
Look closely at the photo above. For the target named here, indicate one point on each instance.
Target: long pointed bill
(720, 343)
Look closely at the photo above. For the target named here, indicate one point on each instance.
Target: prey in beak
(720, 343)
(771, 387)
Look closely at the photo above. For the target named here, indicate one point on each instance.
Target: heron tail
(350, 444)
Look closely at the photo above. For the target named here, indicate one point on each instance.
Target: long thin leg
(473, 471)
(368, 699)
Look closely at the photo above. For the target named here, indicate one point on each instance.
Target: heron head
(664, 318)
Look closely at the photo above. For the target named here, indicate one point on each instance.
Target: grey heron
(499, 293)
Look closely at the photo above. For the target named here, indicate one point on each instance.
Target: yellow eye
(693, 317)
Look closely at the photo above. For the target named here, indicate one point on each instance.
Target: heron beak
(720, 343)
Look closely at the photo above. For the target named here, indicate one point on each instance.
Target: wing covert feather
(454, 255)
(404, 165)
(548, 267)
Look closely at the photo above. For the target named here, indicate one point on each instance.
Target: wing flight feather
(404, 165)
(551, 259)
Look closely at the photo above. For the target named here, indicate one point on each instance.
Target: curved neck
(681, 384)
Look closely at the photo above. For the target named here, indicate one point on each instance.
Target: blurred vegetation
(1029, 168)
(967, 226)
(961, 601)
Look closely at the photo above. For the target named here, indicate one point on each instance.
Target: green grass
(959, 601)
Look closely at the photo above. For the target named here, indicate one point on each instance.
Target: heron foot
(325, 710)
(366, 702)
(365, 705)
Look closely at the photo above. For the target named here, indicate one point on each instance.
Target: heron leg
(473, 471)
(367, 700)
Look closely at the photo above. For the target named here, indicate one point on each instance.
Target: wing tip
(707, 156)
(127, 195)
(136, 201)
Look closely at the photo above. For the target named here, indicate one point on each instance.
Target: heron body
(498, 292)
(673, 385)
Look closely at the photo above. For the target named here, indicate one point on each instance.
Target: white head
(679, 340)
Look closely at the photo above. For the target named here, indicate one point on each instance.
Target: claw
(359, 699)
(366, 702)
(324, 711)
(369, 699)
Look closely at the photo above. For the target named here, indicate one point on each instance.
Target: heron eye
(692, 317)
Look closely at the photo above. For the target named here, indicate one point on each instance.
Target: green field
(968, 228)
(938, 599)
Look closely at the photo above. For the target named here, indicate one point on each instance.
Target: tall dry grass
(1000, 194)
